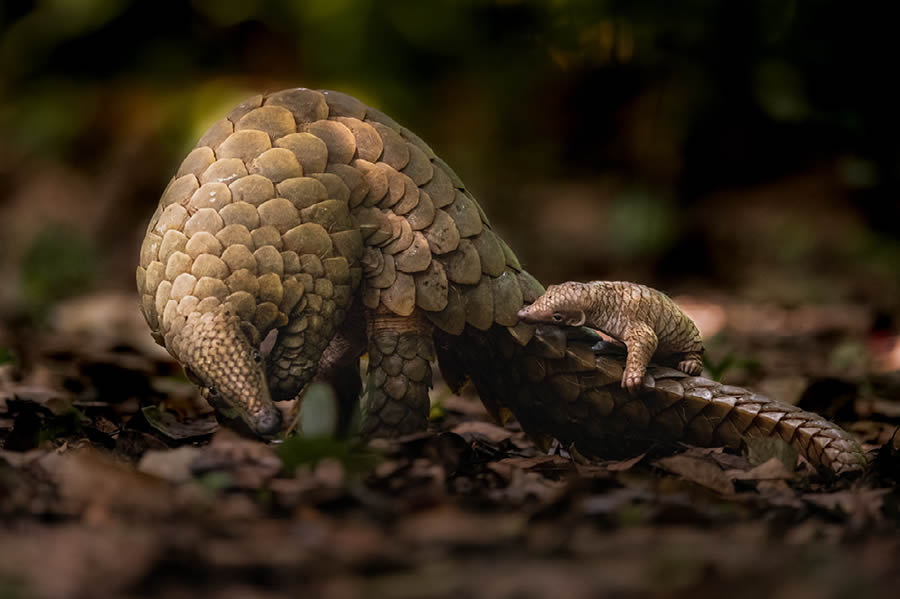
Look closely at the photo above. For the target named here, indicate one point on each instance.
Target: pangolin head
(559, 305)
(220, 359)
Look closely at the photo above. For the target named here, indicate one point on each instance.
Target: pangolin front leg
(339, 365)
(641, 342)
(400, 354)
(301, 344)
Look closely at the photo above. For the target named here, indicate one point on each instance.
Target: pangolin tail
(558, 388)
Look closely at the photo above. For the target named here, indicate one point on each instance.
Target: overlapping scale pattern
(299, 179)
(253, 221)
(431, 245)
(556, 386)
(300, 200)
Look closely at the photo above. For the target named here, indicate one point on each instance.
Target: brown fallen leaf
(700, 471)
(171, 464)
(134, 443)
(55, 401)
(546, 464)
(77, 561)
(482, 431)
(96, 485)
(523, 485)
(168, 424)
(449, 525)
(772, 469)
(853, 502)
(762, 449)
(611, 501)
(249, 463)
(625, 465)
(465, 404)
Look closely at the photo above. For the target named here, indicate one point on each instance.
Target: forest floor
(114, 482)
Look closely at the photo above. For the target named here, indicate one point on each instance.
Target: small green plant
(437, 411)
(65, 423)
(299, 451)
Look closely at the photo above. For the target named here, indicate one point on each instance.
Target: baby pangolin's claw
(692, 367)
(632, 383)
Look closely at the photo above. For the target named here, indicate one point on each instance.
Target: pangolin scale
(308, 216)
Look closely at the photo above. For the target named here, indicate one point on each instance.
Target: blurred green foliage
(215, 480)
(753, 59)
(60, 263)
(718, 369)
(6, 356)
(299, 450)
(13, 588)
(671, 101)
(640, 223)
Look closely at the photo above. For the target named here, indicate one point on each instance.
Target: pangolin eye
(557, 317)
(212, 391)
(256, 357)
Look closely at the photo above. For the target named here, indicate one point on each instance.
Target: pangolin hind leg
(691, 363)
(400, 354)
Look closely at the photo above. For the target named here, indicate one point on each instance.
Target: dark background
(744, 148)
(743, 156)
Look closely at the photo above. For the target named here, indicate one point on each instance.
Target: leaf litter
(115, 480)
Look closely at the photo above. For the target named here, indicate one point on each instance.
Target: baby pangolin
(646, 320)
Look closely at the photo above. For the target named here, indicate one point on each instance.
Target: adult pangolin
(308, 215)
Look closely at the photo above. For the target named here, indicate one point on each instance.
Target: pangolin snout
(269, 423)
(527, 315)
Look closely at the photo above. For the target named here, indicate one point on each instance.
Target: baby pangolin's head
(561, 305)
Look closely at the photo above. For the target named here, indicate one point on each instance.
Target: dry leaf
(697, 470)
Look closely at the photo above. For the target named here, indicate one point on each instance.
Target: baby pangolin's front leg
(641, 342)
(400, 354)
